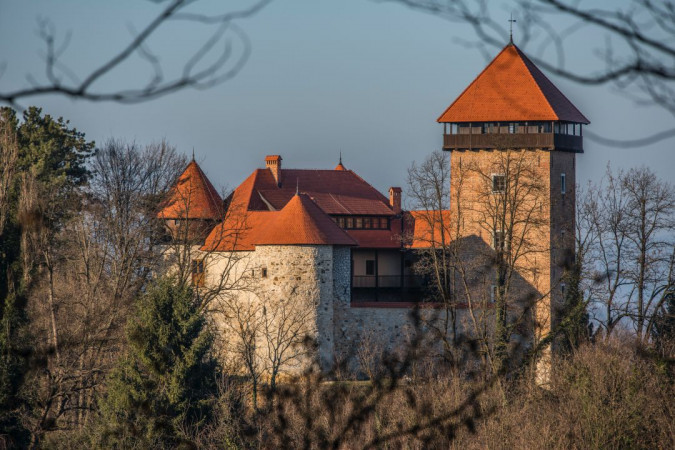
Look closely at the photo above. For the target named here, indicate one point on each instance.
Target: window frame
(494, 177)
(370, 263)
(494, 239)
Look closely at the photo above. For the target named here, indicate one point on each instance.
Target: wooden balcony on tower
(565, 137)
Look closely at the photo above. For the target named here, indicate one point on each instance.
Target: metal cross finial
(297, 186)
(340, 156)
(511, 20)
(193, 153)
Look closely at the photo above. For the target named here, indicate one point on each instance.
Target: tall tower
(513, 139)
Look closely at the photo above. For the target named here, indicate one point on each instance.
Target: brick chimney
(395, 199)
(273, 162)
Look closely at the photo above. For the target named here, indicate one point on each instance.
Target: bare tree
(633, 218)
(92, 266)
(201, 70)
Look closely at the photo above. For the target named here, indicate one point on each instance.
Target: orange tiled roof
(239, 231)
(428, 228)
(300, 222)
(192, 197)
(511, 88)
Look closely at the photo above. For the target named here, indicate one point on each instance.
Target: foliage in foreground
(603, 396)
(165, 387)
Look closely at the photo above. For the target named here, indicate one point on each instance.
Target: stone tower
(513, 139)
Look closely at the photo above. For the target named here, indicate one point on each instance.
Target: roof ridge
(527, 60)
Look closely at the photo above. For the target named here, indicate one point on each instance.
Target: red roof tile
(192, 197)
(511, 88)
(239, 231)
(335, 191)
(301, 221)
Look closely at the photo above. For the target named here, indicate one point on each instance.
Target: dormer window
(498, 183)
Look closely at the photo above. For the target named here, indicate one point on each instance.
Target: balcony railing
(548, 141)
(386, 281)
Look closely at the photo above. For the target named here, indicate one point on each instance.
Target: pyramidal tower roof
(301, 221)
(512, 88)
(192, 197)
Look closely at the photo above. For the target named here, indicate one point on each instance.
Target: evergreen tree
(166, 385)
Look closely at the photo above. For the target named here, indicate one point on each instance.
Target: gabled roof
(511, 88)
(301, 221)
(334, 191)
(192, 197)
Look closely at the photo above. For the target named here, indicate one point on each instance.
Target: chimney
(395, 199)
(273, 162)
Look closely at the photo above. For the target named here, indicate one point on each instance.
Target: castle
(323, 253)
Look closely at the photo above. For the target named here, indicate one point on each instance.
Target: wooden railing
(386, 281)
(548, 141)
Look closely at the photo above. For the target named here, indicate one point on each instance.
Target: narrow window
(498, 183)
(563, 183)
(366, 222)
(350, 222)
(198, 272)
(499, 240)
(384, 223)
(563, 288)
(341, 222)
(493, 293)
(263, 272)
(370, 267)
(359, 222)
(512, 128)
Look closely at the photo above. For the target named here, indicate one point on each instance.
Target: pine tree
(165, 387)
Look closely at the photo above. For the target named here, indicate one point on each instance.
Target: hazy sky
(364, 77)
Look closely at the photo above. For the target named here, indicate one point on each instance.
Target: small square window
(498, 183)
(370, 267)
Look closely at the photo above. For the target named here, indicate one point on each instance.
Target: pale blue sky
(364, 77)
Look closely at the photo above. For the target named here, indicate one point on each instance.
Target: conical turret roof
(192, 197)
(512, 88)
(301, 221)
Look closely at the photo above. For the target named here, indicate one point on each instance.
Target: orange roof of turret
(301, 221)
(192, 197)
(512, 88)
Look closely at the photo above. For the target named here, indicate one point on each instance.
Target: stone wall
(287, 295)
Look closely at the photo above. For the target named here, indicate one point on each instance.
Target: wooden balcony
(548, 141)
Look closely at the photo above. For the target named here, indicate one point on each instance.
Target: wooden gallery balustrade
(547, 141)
